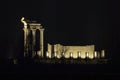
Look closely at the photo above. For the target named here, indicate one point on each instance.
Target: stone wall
(71, 51)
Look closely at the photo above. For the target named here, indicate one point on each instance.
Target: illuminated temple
(34, 45)
(82, 52)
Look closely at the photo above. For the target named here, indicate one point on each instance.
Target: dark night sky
(69, 22)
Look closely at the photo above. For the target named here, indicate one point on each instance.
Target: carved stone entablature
(35, 26)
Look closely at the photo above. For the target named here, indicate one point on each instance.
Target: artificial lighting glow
(39, 53)
(103, 53)
(95, 54)
(63, 53)
(71, 54)
(47, 54)
(79, 54)
(87, 54)
(55, 54)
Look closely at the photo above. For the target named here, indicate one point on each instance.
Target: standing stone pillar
(41, 41)
(25, 41)
(33, 42)
(25, 36)
(103, 54)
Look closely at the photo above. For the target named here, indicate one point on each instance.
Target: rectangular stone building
(59, 50)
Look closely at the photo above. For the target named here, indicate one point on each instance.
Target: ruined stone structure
(82, 52)
(33, 38)
(34, 45)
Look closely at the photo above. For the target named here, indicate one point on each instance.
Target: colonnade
(30, 29)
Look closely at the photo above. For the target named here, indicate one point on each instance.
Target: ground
(61, 71)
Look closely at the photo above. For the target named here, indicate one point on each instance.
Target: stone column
(103, 54)
(34, 41)
(95, 54)
(25, 41)
(41, 41)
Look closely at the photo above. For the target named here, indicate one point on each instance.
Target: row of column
(26, 41)
(96, 54)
